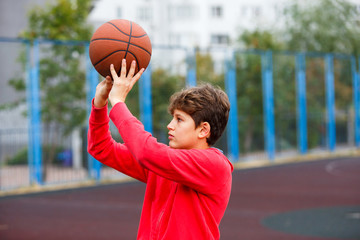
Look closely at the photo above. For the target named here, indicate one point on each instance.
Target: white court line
(334, 168)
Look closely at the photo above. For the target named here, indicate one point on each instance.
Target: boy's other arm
(100, 143)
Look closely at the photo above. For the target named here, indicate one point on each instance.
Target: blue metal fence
(356, 98)
(233, 139)
(232, 128)
(301, 103)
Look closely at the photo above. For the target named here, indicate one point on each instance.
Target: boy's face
(182, 131)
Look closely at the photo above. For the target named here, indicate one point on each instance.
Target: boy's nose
(170, 126)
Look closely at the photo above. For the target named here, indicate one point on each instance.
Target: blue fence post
(356, 100)
(92, 79)
(191, 69)
(35, 117)
(146, 99)
(232, 127)
(268, 103)
(330, 101)
(30, 154)
(301, 103)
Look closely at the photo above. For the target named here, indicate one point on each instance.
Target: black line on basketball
(118, 28)
(108, 56)
(137, 62)
(127, 49)
(117, 40)
(124, 32)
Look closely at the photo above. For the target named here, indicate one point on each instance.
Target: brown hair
(204, 103)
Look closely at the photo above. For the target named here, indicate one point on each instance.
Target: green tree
(249, 88)
(206, 73)
(164, 85)
(324, 26)
(62, 80)
(205, 70)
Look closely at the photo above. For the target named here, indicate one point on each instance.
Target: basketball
(116, 40)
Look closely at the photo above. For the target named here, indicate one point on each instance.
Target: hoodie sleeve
(106, 150)
(203, 170)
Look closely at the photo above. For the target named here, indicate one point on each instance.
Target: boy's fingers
(137, 76)
(123, 68)
(103, 82)
(108, 79)
(132, 69)
(113, 72)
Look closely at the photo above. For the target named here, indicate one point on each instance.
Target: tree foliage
(62, 81)
(249, 88)
(317, 26)
(62, 74)
(325, 26)
(63, 20)
(205, 70)
(164, 85)
(322, 26)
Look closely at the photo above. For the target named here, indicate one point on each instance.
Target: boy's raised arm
(100, 143)
(203, 170)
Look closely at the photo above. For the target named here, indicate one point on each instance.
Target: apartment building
(192, 23)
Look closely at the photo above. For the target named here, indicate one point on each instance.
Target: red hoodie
(187, 190)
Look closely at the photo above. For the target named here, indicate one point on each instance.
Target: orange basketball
(118, 39)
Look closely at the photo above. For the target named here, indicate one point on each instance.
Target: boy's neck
(202, 145)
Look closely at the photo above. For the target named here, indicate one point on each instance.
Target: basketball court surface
(315, 200)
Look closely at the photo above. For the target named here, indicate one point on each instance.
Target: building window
(220, 39)
(257, 11)
(251, 11)
(244, 11)
(119, 12)
(175, 39)
(181, 12)
(216, 11)
(184, 12)
(278, 11)
(144, 14)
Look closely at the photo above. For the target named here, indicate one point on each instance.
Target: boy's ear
(204, 130)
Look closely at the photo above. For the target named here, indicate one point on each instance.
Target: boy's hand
(123, 83)
(102, 92)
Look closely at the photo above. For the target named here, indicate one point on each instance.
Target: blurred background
(290, 68)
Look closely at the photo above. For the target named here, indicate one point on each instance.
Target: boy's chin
(172, 145)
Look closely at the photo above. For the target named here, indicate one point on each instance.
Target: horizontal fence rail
(295, 117)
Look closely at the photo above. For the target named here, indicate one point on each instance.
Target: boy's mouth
(171, 136)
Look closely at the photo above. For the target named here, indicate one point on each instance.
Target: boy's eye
(179, 119)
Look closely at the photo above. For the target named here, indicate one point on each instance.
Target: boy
(188, 182)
